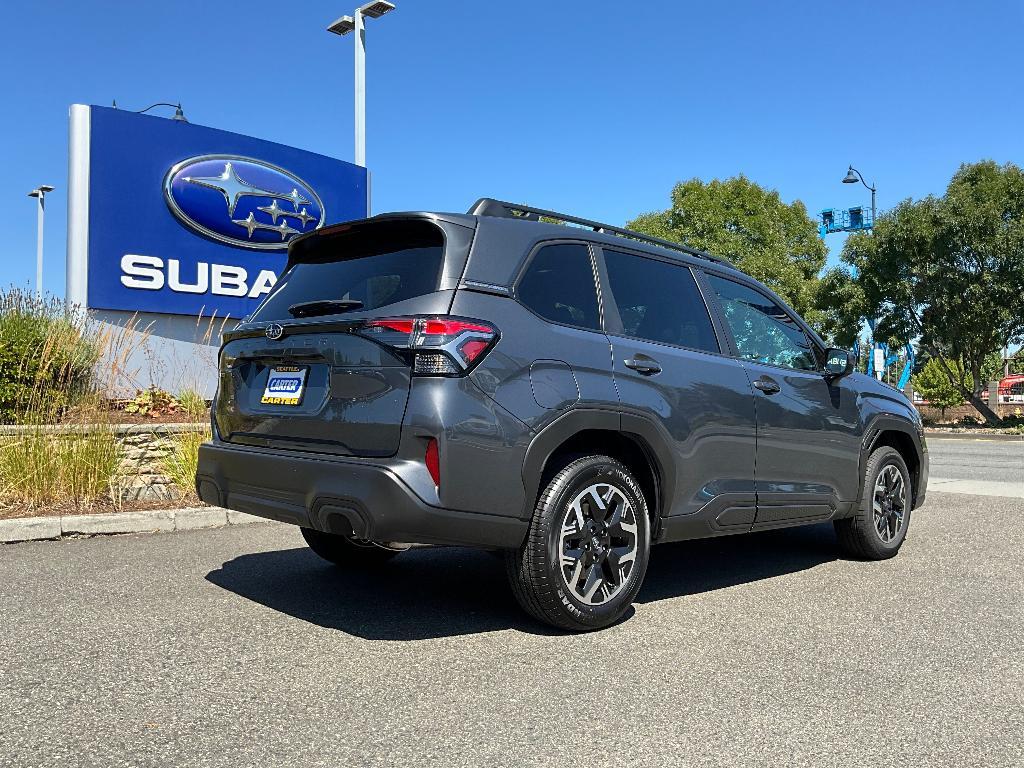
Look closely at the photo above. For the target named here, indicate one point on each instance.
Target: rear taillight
(433, 462)
(440, 346)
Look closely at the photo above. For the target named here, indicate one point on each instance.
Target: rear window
(559, 285)
(374, 264)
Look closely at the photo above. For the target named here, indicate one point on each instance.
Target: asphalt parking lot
(238, 646)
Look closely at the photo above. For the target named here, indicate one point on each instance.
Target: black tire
(343, 551)
(864, 535)
(537, 572)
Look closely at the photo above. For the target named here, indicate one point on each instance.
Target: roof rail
(488, 206)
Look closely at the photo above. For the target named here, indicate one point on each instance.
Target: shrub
(935, 386)
(181, 462)
(47, 356)
(152, 402)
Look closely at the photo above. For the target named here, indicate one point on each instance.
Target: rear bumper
(349, 497)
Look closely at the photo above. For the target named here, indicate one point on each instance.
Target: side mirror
(838, 362)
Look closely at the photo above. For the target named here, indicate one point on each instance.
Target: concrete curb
(149, 521)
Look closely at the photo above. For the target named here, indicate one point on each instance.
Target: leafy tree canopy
(948, 272)
(776, 242)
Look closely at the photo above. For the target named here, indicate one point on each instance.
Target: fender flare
(887, 422)
(650, 437)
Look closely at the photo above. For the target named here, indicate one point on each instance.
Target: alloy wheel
(598, 544)
(890, 503)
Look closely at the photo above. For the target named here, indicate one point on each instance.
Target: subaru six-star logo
(241, 201)
(274, 331)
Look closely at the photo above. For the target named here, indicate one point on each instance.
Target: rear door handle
(766, 385)
(648, 366)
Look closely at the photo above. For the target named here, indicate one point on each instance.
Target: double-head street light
(354, 23)
(39, 193)
(852, 177)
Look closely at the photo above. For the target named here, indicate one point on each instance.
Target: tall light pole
(355, 23)
(852, 177)
(39, 194)
(878, 352)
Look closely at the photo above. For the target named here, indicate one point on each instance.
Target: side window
(659, 301)
(559, 286)
(763, 330)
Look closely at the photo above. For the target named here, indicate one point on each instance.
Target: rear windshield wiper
(323, 307)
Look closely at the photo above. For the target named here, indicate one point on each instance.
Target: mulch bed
(120, 416)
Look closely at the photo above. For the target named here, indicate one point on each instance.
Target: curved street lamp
(179, 115)
(852, 177)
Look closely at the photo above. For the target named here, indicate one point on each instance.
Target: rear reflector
(433, 462)
(471, 349)
(440, 346)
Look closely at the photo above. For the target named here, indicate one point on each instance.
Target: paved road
(239, 647)
(979, 466)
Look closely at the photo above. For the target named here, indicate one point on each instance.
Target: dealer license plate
(285, 385)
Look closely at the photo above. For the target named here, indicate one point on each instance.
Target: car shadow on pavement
(450, 591)
(704, 565)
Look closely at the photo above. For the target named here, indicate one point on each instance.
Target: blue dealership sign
(175, 218)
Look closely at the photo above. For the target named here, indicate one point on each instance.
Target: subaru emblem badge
(275, 331)
(242, 201)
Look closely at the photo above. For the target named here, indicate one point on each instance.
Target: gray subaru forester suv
(565, 393)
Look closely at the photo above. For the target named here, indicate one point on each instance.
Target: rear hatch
(312, 369)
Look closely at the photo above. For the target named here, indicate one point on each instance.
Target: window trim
(786, 310)
(620, 332)
(528, 262)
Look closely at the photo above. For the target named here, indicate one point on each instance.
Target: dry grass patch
(181, 463)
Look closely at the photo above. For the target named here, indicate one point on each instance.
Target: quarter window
(658, 301)
(763, 330)
(559, 286)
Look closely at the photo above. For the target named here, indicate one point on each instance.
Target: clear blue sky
(589, 107)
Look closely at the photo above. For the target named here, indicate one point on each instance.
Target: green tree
(934, 385)
(992, 368)
(949, 272)
(1017, 362)
(841, 308)
(776, 242)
